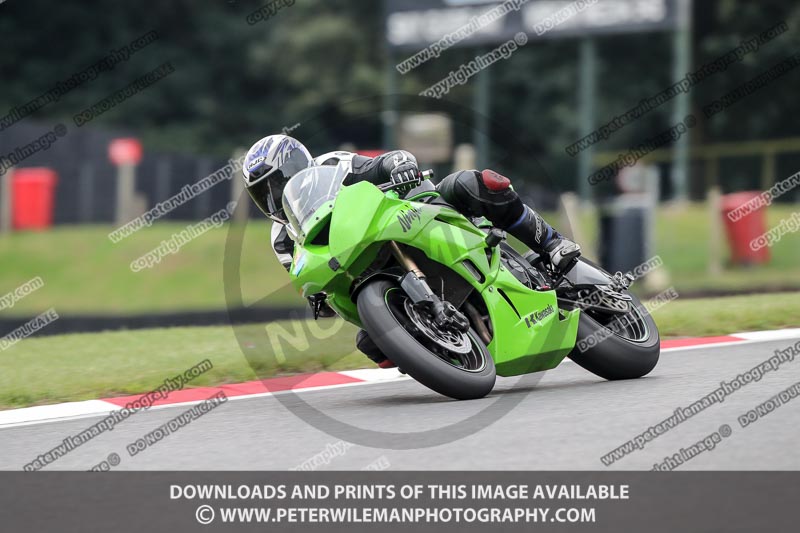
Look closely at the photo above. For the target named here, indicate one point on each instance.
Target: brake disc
(614, 300)
(450, 339)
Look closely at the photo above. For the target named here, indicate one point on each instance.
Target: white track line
(780, 334)
(50, 413)
(369, 376)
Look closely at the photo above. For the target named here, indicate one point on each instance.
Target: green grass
(86, 366)
(84, 272)
(682, 240)
(731, 314)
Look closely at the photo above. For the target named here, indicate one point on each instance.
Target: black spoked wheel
(631, 326)
(450, 345)
(453, 363)
(613, 347)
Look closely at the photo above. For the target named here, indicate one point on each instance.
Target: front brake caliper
(444, 313)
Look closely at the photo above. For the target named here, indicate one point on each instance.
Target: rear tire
(388, 327)
(614, 357)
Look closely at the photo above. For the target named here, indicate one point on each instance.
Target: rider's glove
(406, 173)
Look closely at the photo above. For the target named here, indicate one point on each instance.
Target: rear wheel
(617, 346)
(447, 361)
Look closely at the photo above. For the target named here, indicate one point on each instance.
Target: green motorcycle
(446, 298)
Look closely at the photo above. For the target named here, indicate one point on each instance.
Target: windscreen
(307, 191)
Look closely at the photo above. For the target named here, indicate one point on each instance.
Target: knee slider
(494, 181)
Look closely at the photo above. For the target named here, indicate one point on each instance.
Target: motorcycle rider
(273, 160)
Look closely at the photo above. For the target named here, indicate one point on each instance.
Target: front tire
(618, 353)
(459, 376)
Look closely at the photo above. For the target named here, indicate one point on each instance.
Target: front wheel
(622, 347)
(451, 363)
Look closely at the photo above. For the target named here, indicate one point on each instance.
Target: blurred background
(332, 74)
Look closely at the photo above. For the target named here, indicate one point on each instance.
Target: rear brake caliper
(612, 296)
(621, 282)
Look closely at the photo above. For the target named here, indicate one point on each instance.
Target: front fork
(416, 287)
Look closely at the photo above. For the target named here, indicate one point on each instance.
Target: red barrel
(32, 191)
(745, 225)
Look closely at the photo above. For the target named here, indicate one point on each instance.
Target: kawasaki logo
(537, 316)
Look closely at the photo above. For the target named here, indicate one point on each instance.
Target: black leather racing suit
(479, 194)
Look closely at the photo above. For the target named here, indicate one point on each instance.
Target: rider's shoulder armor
(337, 157)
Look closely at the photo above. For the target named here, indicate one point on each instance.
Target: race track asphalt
(567, 420)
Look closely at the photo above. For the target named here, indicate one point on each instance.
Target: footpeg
(495, 237)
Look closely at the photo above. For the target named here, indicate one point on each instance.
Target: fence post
(237, 189)
(716, 235)
(5, 207)
(126, 185)
(571, 224)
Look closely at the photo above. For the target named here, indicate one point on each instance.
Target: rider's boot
(371, 350)
(540, 237)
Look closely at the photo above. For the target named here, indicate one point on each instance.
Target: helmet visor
(294, 163)
(262, 196)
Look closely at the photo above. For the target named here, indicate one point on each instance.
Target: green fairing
(531, 336)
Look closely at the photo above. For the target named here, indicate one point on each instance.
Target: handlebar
(426, 174)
